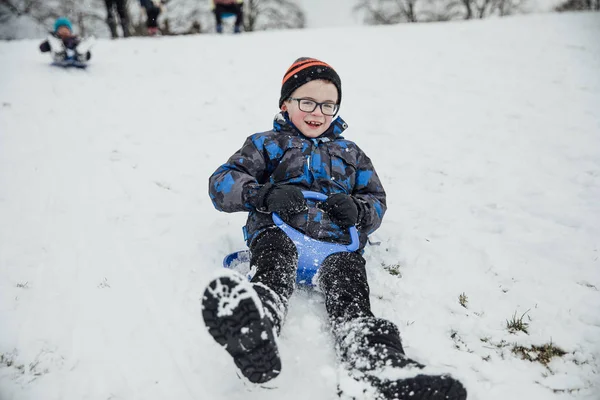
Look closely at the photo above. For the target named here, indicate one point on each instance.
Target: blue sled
(70, 63)
(311, 252)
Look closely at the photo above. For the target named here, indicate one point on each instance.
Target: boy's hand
(285, 200)
(342, 210)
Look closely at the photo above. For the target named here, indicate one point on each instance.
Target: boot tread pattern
(246, 335)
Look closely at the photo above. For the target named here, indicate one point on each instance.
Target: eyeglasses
(309, 106)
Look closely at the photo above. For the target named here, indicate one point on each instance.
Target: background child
(305, 150)
(153, 9)
(221, 7)
(63, 30)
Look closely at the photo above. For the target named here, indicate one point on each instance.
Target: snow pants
(121, 8)
(236, 9)
(343, 280)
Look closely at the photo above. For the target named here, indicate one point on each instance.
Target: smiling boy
(305, 150)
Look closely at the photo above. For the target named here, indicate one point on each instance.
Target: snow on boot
(371, 350)
(275, 308)
(236, 319)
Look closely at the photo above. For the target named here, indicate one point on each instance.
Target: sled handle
(310, 195)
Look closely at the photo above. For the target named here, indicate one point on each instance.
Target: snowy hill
(486, 137)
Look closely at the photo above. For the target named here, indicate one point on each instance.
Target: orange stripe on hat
(299, 66)
(300, 62)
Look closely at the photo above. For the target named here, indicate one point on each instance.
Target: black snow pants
(343, 280)
(121, 8)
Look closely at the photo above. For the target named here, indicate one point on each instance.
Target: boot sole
(237, 322)
(424, 387)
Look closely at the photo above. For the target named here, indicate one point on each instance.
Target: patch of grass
(517, 324)
(542, 354)
(499, 345)
(393, 269)
(463, 299)
(459, 343)
(588, 285)
(8, 360)
(104, 284)
(23, 285)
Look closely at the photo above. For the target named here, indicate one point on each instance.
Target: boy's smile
(311, 124)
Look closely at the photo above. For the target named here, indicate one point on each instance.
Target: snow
(486, 137)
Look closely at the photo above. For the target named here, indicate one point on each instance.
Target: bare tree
(578, 5)
(272, 14)
(441, 10)
(83, 13)
(386, 12)
(480, 9)
(382, 12)
(34, 9)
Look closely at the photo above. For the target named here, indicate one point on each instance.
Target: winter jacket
(70, 43)
(328, 164)
(213, 3)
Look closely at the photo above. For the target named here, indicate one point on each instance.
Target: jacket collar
(282, 123)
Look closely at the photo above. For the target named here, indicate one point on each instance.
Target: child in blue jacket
(305, 150)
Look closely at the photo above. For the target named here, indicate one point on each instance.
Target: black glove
(285, 200)
(342, 210)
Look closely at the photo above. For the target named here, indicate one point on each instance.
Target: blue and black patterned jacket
(327, 164)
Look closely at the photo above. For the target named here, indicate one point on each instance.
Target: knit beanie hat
(304, 70)
(62, 21)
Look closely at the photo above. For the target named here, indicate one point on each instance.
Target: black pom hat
(304, 70)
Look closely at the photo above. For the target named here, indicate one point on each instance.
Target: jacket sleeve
(370, 196)
(235, 185)
(45, 46)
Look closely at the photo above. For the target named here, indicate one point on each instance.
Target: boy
(63, 32)
(305, 151)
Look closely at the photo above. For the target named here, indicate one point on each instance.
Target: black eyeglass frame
(317, 104)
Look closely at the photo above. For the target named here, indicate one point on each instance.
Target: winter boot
(239, 320)
(219, 28)
(237, 29)
(371, 350)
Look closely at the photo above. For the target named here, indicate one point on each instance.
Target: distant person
(223, 7)
(121, 9)
(153, 9)
(64, 45)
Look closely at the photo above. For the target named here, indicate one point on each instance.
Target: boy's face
(63, 32)
(311, 124)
